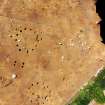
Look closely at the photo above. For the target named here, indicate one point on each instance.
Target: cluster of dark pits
(38, 98)
(20, 34)
(16, 64)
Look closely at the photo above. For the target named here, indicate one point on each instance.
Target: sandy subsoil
(48, 50)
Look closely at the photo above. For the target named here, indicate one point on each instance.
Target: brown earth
(48, 50)
(94, 103)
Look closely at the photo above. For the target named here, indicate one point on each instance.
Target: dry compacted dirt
(48, 50)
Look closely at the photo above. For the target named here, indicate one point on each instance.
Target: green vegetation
(93, 90)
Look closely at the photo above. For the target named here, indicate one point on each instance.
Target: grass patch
(93, 90)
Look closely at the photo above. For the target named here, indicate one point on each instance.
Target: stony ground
(48, 50)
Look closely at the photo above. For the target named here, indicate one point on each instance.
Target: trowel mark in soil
(4, 82)
(94, 90)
